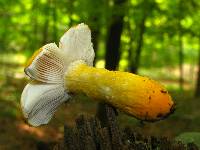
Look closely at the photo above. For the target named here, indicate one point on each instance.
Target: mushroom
(58, 71)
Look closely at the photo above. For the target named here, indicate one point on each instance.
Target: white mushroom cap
(40, 101)
(41, 97)
(76, 43)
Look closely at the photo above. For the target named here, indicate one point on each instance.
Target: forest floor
(15, 133)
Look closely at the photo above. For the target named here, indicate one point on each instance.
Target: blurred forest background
(155, 38)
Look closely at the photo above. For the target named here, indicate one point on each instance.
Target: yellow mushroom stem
(135, 95)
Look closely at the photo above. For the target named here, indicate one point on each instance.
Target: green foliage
(27, 25)
(189, 137)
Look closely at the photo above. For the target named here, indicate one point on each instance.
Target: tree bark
(113, 39)
(88, 134)
(136, 61)
(113, 44)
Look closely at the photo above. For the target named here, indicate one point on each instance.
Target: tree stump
(93, 134)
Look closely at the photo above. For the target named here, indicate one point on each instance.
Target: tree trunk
(95, 29)
(147, 7)
(181, 55)
(113, 44)
(46, 24)
(95, 40)
(55, 29)
(181, 59)
(113, 39)
(135, 63)
(112, 58)
(34, 20)
(197, 92)
(88, 134)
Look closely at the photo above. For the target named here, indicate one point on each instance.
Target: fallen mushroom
(58, 71)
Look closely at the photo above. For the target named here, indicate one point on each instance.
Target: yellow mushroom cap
(135, 95)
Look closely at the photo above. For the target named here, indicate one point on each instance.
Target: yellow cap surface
(138, 96)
